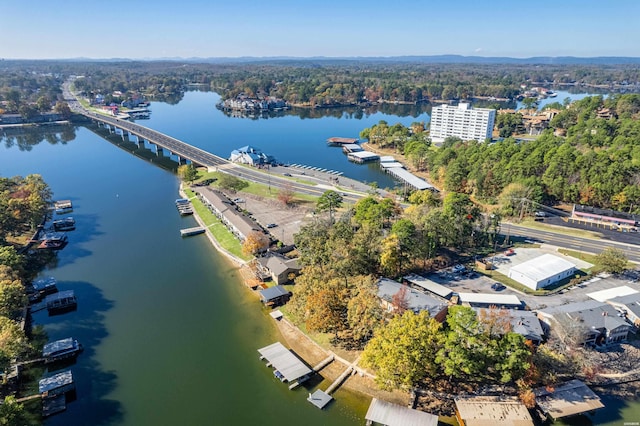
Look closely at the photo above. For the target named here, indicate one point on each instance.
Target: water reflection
(25, 138)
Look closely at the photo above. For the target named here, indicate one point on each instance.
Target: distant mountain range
(434, 59)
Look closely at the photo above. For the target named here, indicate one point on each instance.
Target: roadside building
(568, 399)
(611, 293)
(250, 155)
(492, 410)
(392, 294)
(542, 271)
(489, 300)
(589, 323)
(461, 121)
(279, 268)
(388, 414)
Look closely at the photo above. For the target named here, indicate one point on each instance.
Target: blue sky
(41, 29)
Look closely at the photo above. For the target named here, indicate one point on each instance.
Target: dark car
(272, 225)
(497, 287)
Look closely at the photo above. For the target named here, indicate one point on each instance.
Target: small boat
(61, 349)
(279, 375)
(66, 224)
(63, 206)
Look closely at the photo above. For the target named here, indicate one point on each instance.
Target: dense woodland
(24, 203)
(597, 163)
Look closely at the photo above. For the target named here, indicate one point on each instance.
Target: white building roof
(387, 159)
(389, 165)
(428, 285)
(604, 295)
(386, 413)
(365, 155)
(284, 361)
(490, 299)
(543, 267)
(409, 178)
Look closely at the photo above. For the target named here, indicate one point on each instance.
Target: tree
(12, 298)
(13, 341)
(402, 353)
(612, 260)
(188, 173)
(12, 413)
(285, 195)
(255, 243)
(231, 183)
(364, 312)
(329, 201)
(11, 258)
(63, 109)
(391, 256)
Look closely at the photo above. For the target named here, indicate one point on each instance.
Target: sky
(143, 29)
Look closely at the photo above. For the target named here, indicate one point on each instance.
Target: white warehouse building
(542, 271)
(461, 121)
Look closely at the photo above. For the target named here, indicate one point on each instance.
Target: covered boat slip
(388, 414)
(57, 384)
(60, 349)
(284, 361)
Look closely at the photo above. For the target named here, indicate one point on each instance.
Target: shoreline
(303, 345)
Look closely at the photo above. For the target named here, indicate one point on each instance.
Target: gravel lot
(267, 211)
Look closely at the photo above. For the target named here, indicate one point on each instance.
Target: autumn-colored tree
(13, 341)
(391, 255)
(255, 243)
(400, 300)
(12, 298)
(364, 312)
(286, 194)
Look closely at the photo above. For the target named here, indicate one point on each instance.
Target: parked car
(272, 225)
(541, 214)
(498, 287)
(509, 252)
(286, 174)
(458, 268)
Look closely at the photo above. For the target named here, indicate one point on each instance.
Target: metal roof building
(612, 293)
(415, 300)
(56, 384)
(492, 410)
(283, 360)
(485, 300)
(410, 179)
(428, 285)
(525, 323)
(568, 399)
(542, 271)
(388, 414)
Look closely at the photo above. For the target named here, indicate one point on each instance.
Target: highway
(570, 242)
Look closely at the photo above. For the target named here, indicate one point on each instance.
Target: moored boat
(66, 224)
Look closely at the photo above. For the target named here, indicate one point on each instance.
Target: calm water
(170, 332)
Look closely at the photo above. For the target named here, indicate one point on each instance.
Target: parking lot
(287, 220)
(466, 282)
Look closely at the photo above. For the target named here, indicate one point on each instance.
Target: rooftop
(386, 413)
(428, 285)
(416, 300)
(272, 293)
(493, 410)
(611, 293)
(56, 381)
(567, 399)
(283, 360)
(543, 267)
(490, 299)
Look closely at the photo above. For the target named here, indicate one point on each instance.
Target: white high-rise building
(461, 121)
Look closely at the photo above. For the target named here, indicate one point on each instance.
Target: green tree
(329, 201)
(11, 258)
(12, 413)
(231, 183)
(12, 298)
(13, 342)
(188, 173)
(612, 260)
(402, 353)
(364, 312)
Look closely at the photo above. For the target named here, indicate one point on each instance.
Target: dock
(323, 363)
(321, 398)
(362, 157)
(287, 365)
(187, 232)
(335, 141)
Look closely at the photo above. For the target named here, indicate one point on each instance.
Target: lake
(170, 333)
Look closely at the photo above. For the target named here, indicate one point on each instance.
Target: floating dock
(319, 398)
(290, 367)
(341, 141)
(187, 232)
(362, 157)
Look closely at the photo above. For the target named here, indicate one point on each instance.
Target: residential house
(279, 268)
(629, 306)
(492, 410)
(392, 294)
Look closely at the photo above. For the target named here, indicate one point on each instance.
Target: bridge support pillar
(182, 161)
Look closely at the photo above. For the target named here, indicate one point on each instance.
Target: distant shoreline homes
(246, 103)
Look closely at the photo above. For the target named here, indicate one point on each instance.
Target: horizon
(41, 30)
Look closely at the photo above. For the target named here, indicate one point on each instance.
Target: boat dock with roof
(61, 349)
(53, 391)
(288, 367)
(335, 141)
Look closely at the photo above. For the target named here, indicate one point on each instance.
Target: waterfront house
(250, 155)
(240, 225)
(568, 399)
(395, 296)
(492, 410)
(525, 323)
(589, 323)
(279, 268)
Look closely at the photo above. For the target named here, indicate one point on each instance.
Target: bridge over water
(181, 149)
